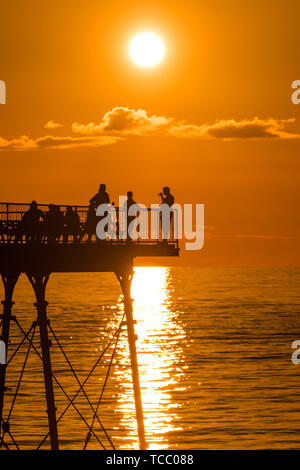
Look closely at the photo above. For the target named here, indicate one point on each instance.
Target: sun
(146, 49)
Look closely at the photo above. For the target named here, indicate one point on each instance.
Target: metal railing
(13, 228)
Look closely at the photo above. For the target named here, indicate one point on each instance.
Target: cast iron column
(39, 283)
(125, 279)
(9, 282)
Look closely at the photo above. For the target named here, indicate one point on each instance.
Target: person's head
(33, 205)
(129, 194)
(166, 190)
(102, 188)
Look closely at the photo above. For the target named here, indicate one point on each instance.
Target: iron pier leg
(9, 282)
(125, 279)
(39, 283)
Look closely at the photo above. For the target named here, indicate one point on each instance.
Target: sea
(214, 351)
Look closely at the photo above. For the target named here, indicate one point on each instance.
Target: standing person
(31, 222)
(101, 197)
(54, 222)
(166, 196)
(167, 226)
(129, 218)
(71, 224)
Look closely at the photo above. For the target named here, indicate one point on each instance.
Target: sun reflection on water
(159, 352)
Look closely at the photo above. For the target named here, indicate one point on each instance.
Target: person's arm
(93, 199)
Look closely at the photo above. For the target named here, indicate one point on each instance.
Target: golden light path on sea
(158, 351)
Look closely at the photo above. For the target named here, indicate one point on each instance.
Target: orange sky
(227, 62)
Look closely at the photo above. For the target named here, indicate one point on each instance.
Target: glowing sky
(213, 120)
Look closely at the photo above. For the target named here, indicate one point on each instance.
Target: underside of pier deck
(95, 257)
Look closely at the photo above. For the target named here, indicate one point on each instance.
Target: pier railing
(148, 232)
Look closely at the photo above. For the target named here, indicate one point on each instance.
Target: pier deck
(20, 255)
(37, 251)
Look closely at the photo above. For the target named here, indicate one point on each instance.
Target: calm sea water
(214, 349)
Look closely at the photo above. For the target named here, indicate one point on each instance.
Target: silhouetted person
(90, 224)
(101, 197)
(71, 224)
(130, 202)
(52, 219)
(54, 223)
(126, 206)
(167, 198)
(31, 222)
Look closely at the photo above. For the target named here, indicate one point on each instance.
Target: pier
(38, 257)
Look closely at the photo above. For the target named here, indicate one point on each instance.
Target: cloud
(230, 129)
(52, 125)
(126, 121)
(121, 122)
(47, 142)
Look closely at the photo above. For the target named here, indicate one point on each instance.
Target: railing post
(118, 223)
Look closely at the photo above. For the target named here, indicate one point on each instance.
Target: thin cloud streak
(52, 142)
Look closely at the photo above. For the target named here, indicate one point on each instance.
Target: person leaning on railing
(101, 197)
(31, 223)
(71, 225)
(50, 227)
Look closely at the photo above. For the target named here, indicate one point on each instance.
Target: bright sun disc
(146, 49)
